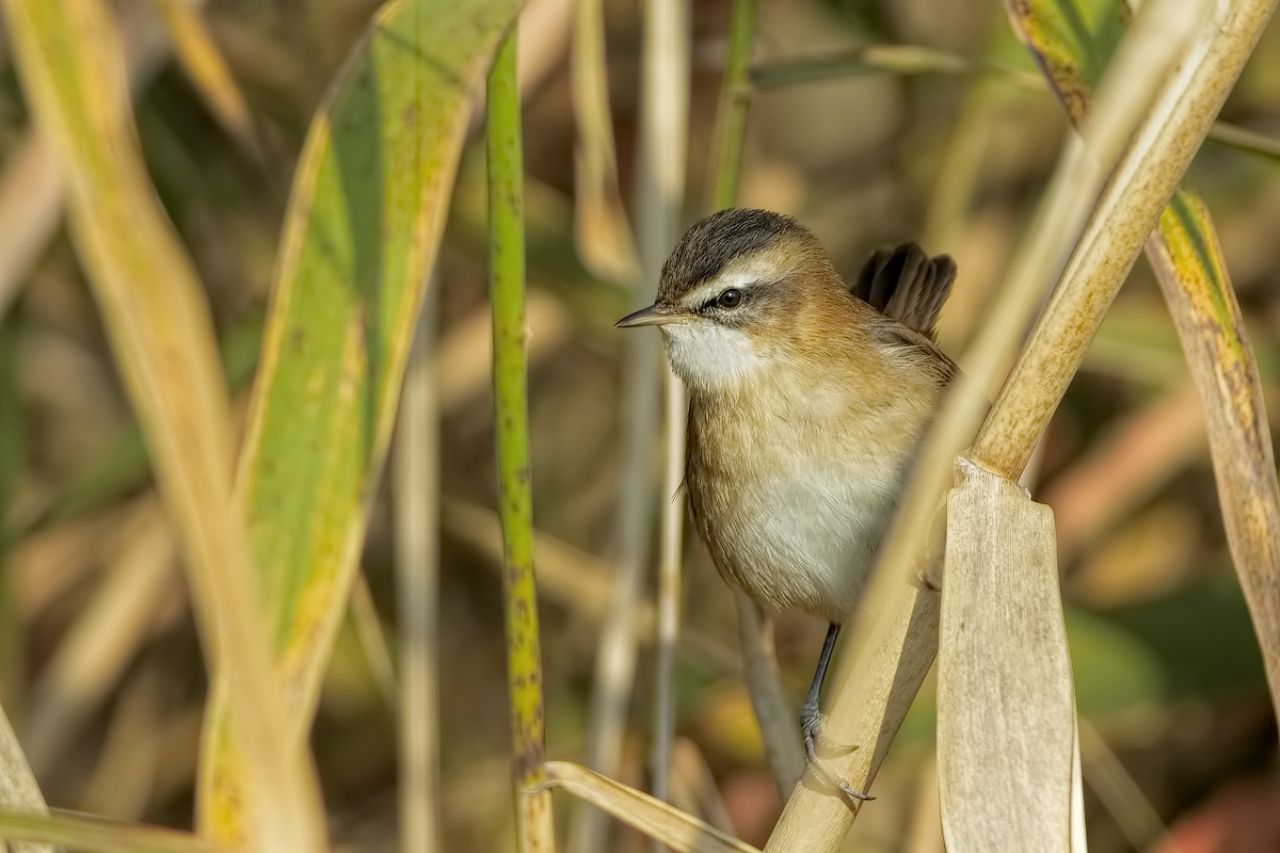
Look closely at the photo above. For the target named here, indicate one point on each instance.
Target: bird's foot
(812, 722)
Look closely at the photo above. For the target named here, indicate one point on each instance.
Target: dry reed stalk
(670, 585)
(1119, 792)
(694, 784)
(103, 640)
(664, 131)
(121, 783)
(1194, 281)
(415, 480)
(372, 641)
(659, 195)
(778, 722)
(924, 832)
(614, 671)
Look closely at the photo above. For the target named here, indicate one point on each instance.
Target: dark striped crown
(713, 242)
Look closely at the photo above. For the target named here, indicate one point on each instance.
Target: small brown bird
(807, 400)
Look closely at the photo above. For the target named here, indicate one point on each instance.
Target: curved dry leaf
(678, 830)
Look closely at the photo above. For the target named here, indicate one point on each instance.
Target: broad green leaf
(71, 64)
(1185, 254)
(367, 210)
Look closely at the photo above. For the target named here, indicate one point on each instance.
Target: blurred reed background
(873, 122)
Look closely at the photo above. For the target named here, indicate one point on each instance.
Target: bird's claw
(812, 723)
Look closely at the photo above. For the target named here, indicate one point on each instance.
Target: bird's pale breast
(792, 488)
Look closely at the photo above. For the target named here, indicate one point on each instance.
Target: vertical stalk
(735, 100)
(416, 503)
(615, 667)
(11, 453)
(660, 193)
(779, 727)
(669, 582)
(664, 123)
(511, 423)
(616, 657)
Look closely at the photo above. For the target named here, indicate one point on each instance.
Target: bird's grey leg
(811, 719)
(810, 716)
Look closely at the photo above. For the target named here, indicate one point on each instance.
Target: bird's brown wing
(907, 285)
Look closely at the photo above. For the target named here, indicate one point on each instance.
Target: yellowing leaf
(1189, 267)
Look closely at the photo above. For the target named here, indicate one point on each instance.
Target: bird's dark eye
(730, 298)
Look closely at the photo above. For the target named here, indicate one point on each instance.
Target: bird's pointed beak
(655, 315)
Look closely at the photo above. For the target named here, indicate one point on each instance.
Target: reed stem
(415, 485)
(511, 423)
(735, 101)
(664, 123)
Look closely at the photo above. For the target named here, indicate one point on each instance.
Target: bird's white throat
(709, 356)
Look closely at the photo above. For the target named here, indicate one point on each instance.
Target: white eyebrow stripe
(713, 287)
(742, 273)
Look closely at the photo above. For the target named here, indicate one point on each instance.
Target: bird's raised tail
(907, 285)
